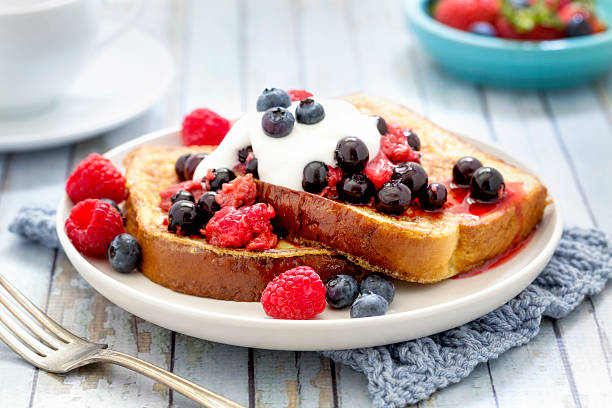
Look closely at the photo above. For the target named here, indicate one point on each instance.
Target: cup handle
(125, 19)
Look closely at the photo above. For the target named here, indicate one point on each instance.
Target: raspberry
(228, 228)
(379, 170)
(297, 294)
(194, 187)
(334, 175)
(240, 191)
(92, 225)
(258, 217)
(96, 177)
(263, 242)
(204, 127)
(298, 94)
(395, 146)
(463, 13)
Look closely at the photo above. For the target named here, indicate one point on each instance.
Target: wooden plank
(25, 264)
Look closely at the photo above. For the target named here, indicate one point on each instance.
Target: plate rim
(538, 262)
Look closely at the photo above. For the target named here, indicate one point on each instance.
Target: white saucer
(119, 83)
(418, 310)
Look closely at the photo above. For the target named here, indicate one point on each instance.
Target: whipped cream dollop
(280, 161)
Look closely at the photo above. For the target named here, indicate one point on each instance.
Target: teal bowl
(514, 64)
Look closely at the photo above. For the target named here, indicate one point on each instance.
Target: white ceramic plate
(118, 84)
(418, 310)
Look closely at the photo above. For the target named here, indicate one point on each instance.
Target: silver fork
(52, 348)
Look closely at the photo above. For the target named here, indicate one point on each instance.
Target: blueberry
(251, 167)
(578, 26)
(124, 253)
(351, 154)
(393, 198)
(207, 206)
(314, 178)
(518, 4)
(184, 219)
(378, 284)
(381, 125)
(222, 175)
(483, 28)
(244, 153)
(433, 197)
(272, 98)
(309, 112)
(356, 189)
(111, 203)
(369, 305)
(487, 185)
(179, 166)
(192, 163)
(412, 175)
(341, 291)
(277, 122)
(182, 195)
(464, 169)
(413, 140)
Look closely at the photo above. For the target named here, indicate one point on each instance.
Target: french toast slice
(422, 247)
(193, 266)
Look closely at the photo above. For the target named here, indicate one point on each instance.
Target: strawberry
(461, 14)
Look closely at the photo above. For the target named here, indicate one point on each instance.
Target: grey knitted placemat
(405, 373)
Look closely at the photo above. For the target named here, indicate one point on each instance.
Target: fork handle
(190, 390)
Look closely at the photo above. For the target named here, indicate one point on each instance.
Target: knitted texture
(405, 373)
(36, 224)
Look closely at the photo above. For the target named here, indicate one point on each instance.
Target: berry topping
(96, 177)
(395, 146)
(351, 154)
(244, 153)
(220, 177)
(413, 140)
(309, 112)
(334, 176)
(487, 185)
(379, 170)
(356, 189)
(298, 94)
(182, 195)
(433, 197)
(179, 166)
(112, 203)
(251, 167)
(369, 305)
(297, 294)
(92, 225)
(207, 205)
(315, 177)
(272, 98)
(184, 219)
(381, 125)
(194, 187)
(191, 164)
(277, 122)
(248, 227)
(240, 191)
(378, 284)
(464, 169)
(341, 291)
(393, 198)
(204, 127)
(483, 28)
(413, 175)
(578, 26)
(124, 253)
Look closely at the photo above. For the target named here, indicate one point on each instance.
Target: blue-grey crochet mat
(405, 373)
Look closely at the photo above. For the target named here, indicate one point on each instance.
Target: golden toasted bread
(193, 266)
(421, 247)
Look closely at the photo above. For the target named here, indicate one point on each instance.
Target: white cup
(43, 46)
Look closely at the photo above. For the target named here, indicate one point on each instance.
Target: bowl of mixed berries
(529, 44)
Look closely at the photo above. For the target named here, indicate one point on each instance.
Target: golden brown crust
(191, 265)
(424, 248)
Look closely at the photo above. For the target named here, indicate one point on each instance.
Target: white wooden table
(226, 53)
